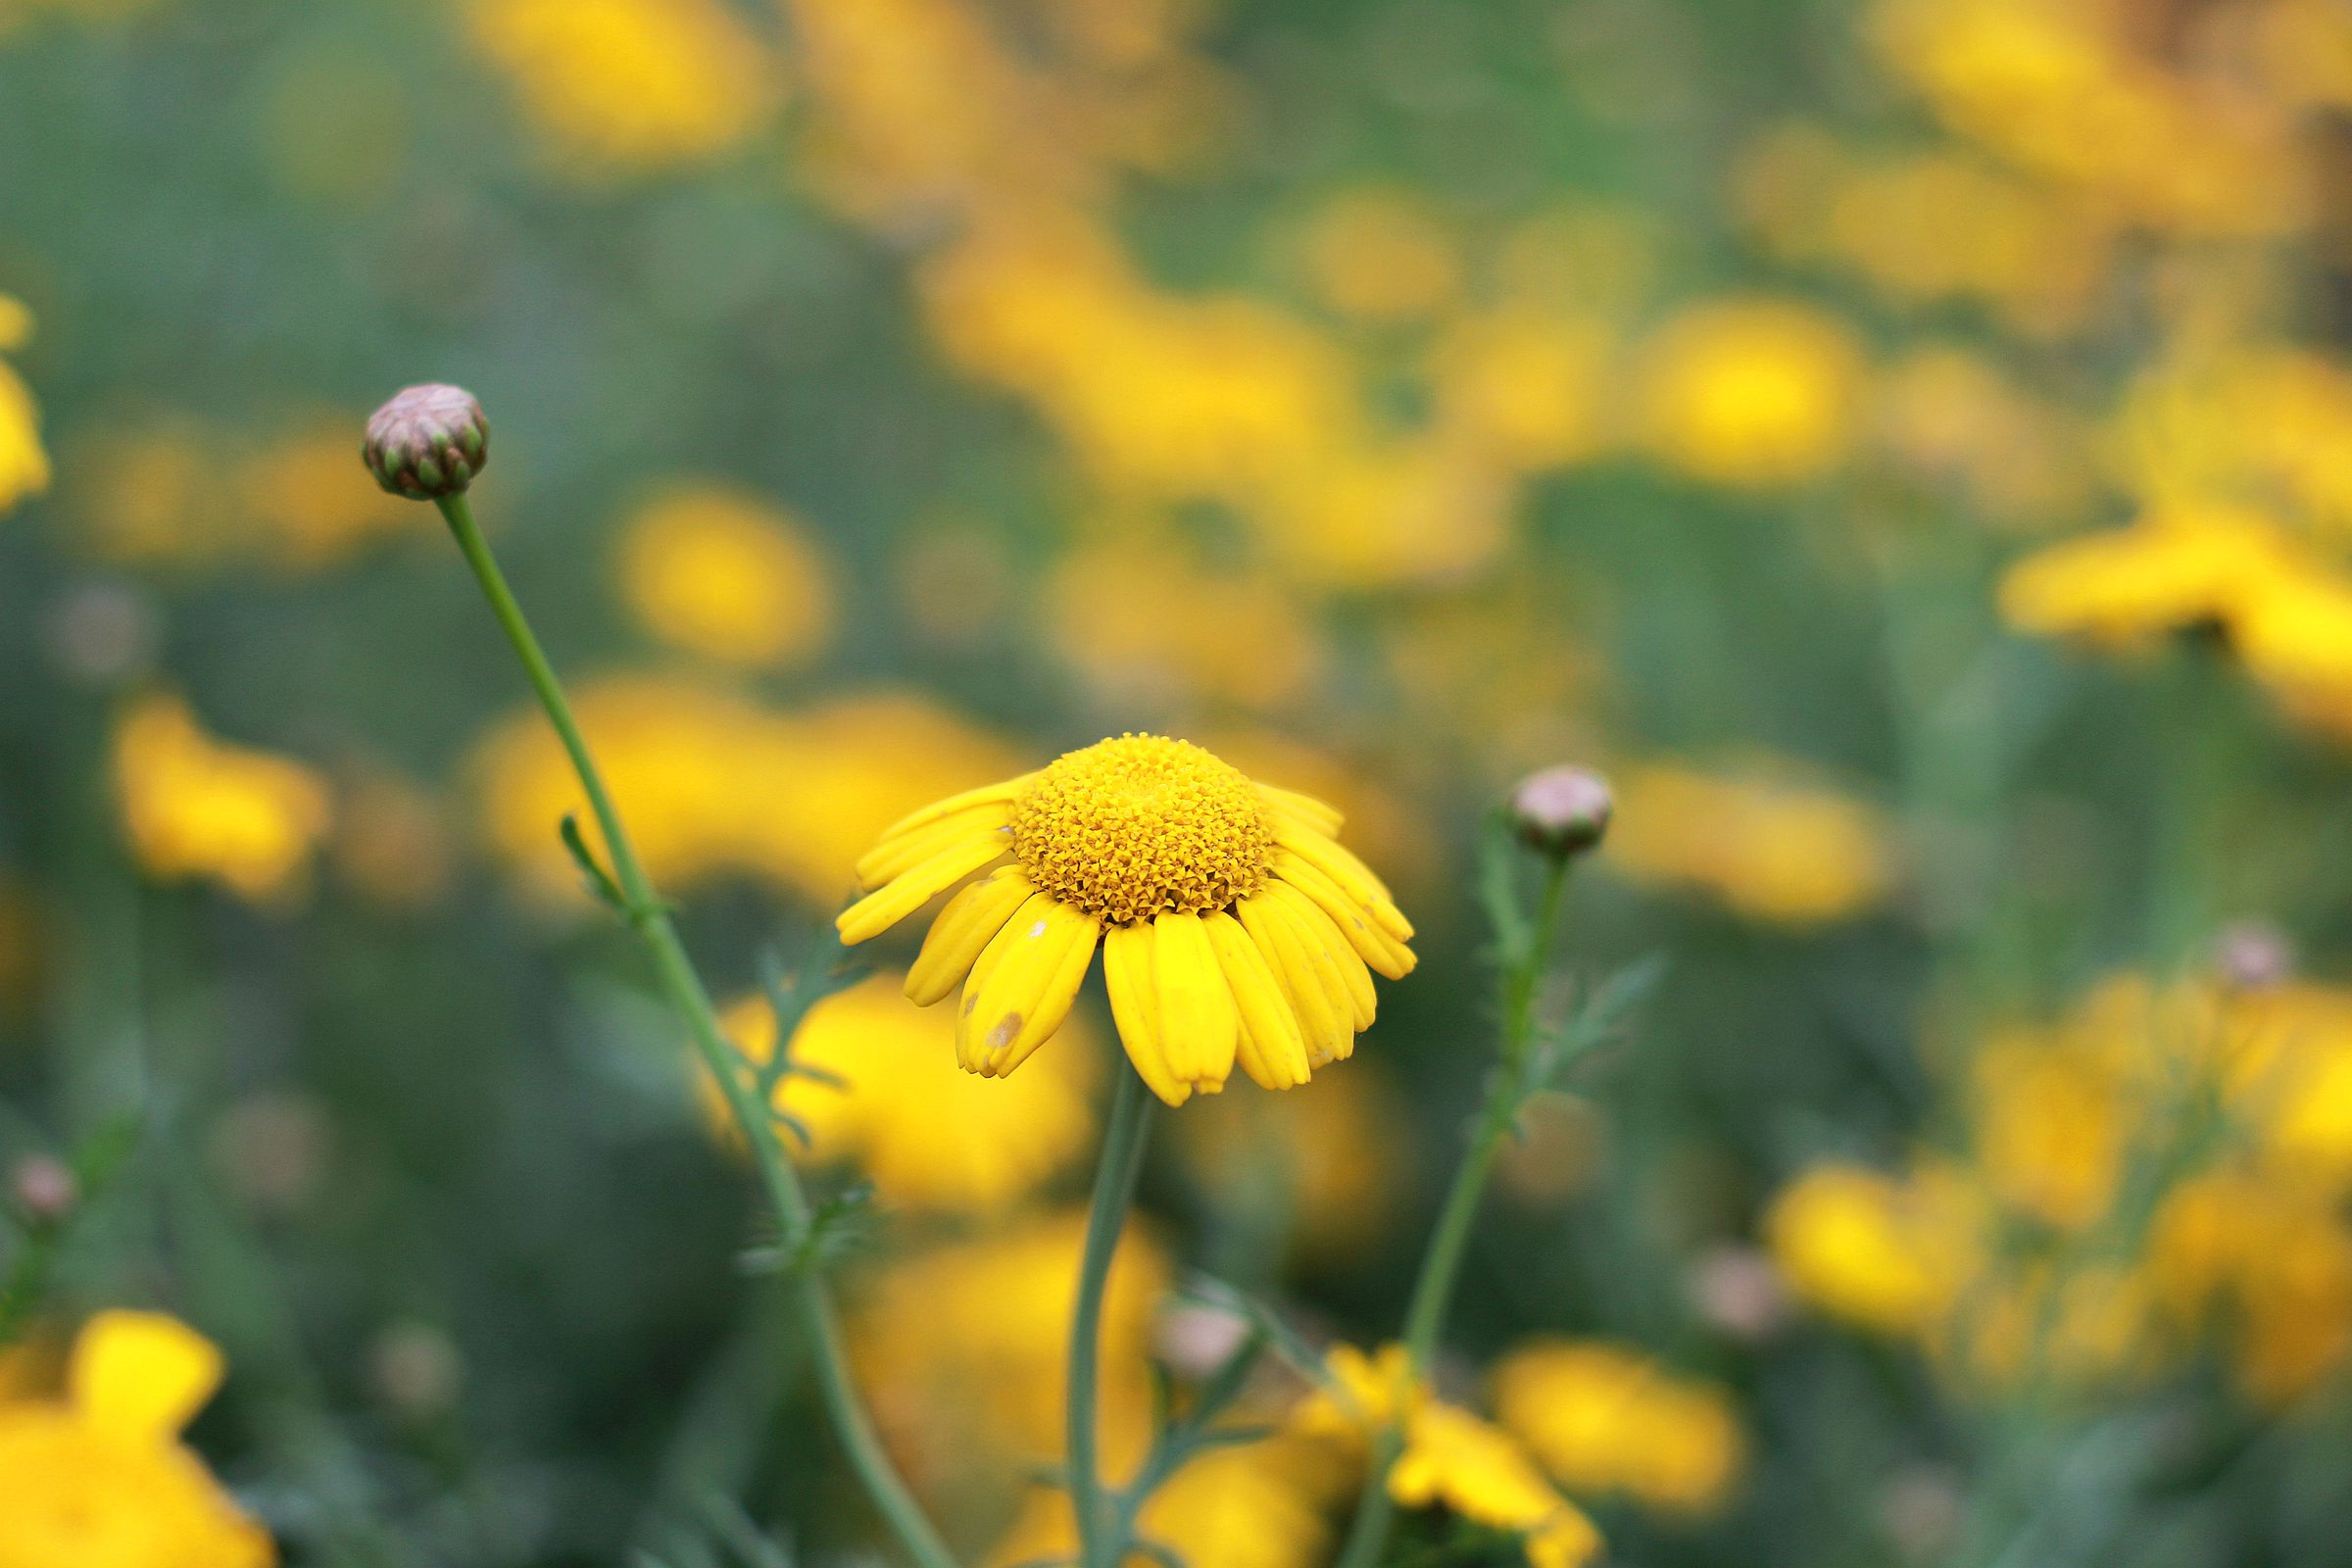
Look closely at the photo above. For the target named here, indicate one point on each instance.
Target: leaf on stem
(599, 881)
(1602, 1012)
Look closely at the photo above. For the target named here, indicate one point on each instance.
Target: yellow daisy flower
(1233, 926)
(100, 1478)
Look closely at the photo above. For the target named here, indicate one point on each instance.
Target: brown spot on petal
(1002, 1035)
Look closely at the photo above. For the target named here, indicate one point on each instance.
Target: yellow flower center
(1128, 828)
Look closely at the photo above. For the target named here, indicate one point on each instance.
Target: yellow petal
(963, 929)
(1327, 856)
(986, 794)
(908, 891)
(1363, 1001)
(1134, 1007)
(892, 856)
(1319, 815)
(1030, 989)
(141, 1376)
(1373, 945)
(1199, 1029)
(1271, 1050)
(968, 1055)
(1318, 998)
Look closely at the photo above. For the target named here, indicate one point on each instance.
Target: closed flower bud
(428, 442)
(1561, 810)
(42, 1190)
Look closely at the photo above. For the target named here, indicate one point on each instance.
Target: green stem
(1441, 1263)
(1099, 1538)
(810, 1303)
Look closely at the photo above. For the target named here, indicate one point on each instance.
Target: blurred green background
(1905, 445)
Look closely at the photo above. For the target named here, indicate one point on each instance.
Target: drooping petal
(962, 931)
(1318, 999)
(1271, 1050)
(907, 850)
(1318, 815)
(1134, 1007)
(1373, 945)
(1336, 861)
(1034, 981)
(910, 890)
(1199, 1028)
(970, 1055)
(141, 1376)
(1363, 1003)
(986, 794)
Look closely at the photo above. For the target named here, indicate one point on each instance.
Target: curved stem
(1441, 1263)
(811, 1304)
(1098, 1546)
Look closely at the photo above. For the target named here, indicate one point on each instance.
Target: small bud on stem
(42, 1190)
(428, 442)
(1561, 812)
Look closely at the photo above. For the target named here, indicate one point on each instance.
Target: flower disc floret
(1130, 828)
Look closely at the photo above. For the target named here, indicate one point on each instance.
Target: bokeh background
(1908, 444)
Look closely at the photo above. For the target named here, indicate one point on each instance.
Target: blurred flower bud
(1738, 1291)
(42, 1190)
(416, 1371)
(103, 634)
(1923, 1508)
(428, 442)
(1195, 1339)
(2254, 955)
(1561, 810)
(272, 1150)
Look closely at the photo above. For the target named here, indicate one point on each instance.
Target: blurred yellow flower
(1258, 1505)
(23, 463)
(2270, 1261)
(1381, 255)
(930, 1137)
(1455, 1461)
(1954, 418)
(311, 506)
(1751, 393)
(100, 1479)
(392, 840)
(1770, 850)
(728, 576)
(2051, 1122)
(714, 785)
(178, 491)
(1604, 1418)
(1450, 1459)
(1865, 1247)
(2053, 87)
(630, 86)
(962, 1349)
(1146, 623)
(1233, 925)
(1527, 386)
(1321, 1168)
(193, 806)
(1930, 227)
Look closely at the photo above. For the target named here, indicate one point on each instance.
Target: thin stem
(1099, 1542)
(1441, 1263)
(810, 1303)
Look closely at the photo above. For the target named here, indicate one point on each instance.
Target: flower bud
(1561, 810)
(2253, 955)
(42, 1190)
(428, 442)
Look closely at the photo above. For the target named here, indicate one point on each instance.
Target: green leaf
(599, 883)
(1602, 1012)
